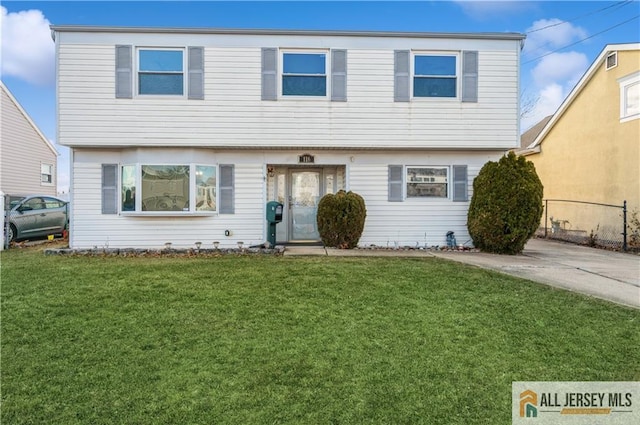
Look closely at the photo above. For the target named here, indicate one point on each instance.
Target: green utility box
(274, 216)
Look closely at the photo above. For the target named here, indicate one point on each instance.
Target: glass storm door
(303, 204)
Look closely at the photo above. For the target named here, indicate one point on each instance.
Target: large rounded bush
(341, 219)
(506, 206)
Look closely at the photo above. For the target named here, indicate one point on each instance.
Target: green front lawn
(275, 340)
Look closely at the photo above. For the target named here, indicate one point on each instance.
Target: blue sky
(563, 38)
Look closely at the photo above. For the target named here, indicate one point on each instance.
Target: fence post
(5, 228)
(546, 208)
(624, 222)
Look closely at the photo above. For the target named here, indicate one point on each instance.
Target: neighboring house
(590, 148)
(28, 160)
(184, 135)
(530, 135)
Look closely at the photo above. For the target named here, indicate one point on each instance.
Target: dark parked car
(35, 216)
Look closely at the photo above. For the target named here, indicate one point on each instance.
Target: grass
(281, 340)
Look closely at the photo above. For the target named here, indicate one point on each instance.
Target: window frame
(51, 203)
(448, 182)
(184, 73)
(50, 174)
(625, 83)
(444, 53)
(192, 192)
(327, 73)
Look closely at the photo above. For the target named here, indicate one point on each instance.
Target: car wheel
(12, 233)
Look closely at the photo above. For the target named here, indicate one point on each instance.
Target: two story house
(589, 149)
(28, 160)
(183, 135)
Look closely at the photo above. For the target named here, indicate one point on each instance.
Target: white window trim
(193, 191)
(185, 74)
(606, 60)
(52, 168)
(327, 73)
(625, 82)
(429, 198)
(412, 75)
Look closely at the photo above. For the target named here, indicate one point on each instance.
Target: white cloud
(28, 52)
(549, 99)
(566, 67)
(483, 9)
(547, 35)
(555, 73)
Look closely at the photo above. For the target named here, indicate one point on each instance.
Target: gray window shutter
(124, 72)
(109, 188)
(269, 73)
(227, 189)
(401, 75)
(339, 75)
(395, 183)
(469, 76)
(196, 73)
(460, 192)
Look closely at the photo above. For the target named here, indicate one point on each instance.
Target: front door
(306, 191)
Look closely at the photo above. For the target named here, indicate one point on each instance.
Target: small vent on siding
(612, 60)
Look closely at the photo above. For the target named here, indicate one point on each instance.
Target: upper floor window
(630, 97)
(46, 174)
(304, 74)
(435, 75)
(160, 72)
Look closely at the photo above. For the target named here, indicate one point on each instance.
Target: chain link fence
(7, 234)
(586, 223)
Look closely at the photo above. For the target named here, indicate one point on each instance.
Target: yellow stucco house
(589, 150)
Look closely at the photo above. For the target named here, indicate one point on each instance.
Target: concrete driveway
(609, 275)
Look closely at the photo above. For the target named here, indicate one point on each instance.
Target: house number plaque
(306, 159)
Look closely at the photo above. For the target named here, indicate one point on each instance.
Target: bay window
(183, 188)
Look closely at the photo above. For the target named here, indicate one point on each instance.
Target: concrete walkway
(612, 276)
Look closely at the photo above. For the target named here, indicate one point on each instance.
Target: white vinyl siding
(90, 227)
(23, 152)
(415, 220)
(232, 124)
(89, 114)
(406, 222)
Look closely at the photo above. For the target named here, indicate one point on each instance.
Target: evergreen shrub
(506, 206)
(341, 219)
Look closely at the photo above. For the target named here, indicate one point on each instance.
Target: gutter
(238, 31)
